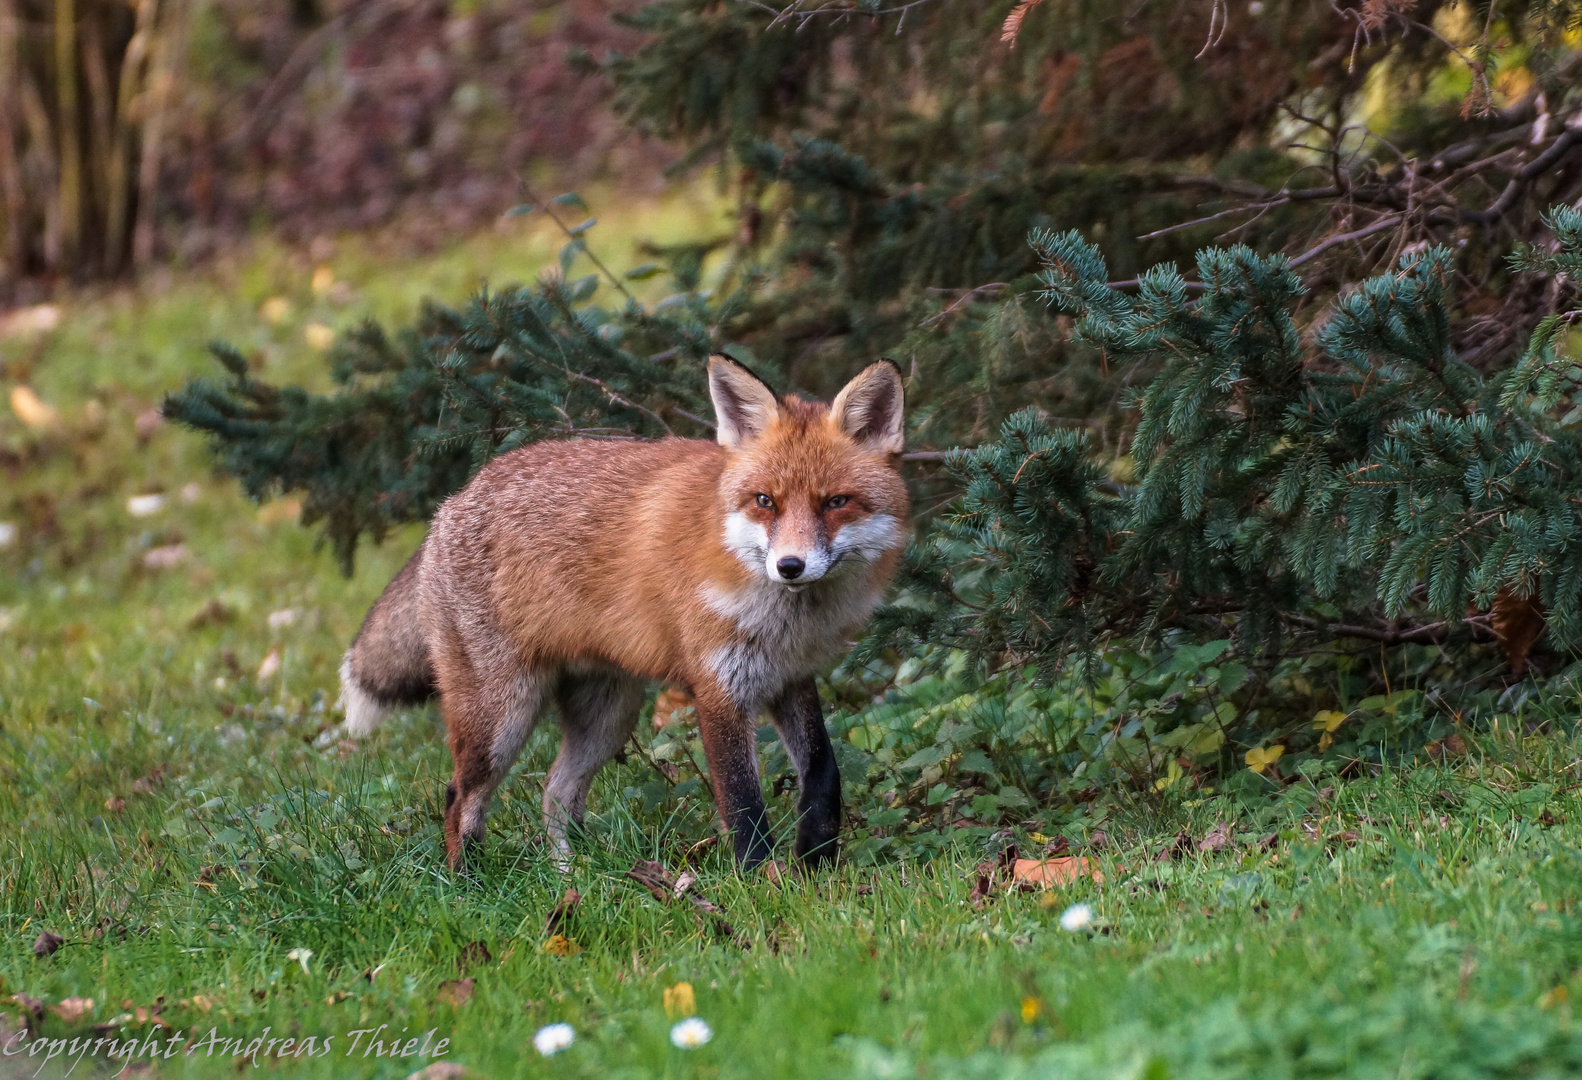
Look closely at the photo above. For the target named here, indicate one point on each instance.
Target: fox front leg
(799, 718)
(730, 744)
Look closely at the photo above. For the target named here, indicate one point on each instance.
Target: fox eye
(764, 501)
(835, 502)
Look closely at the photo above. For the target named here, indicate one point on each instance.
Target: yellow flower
(1260, 759)
(561, 945)
(680, 1001)
(1032, 1009)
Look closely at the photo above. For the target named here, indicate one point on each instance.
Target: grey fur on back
(388, 665)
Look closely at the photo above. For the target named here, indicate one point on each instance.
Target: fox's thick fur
(579, 571)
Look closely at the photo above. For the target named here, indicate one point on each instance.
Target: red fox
(578, 571)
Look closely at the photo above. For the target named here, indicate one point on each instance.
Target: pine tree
(1367, 484)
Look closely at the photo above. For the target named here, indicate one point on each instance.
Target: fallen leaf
(270, 665)
(454, 992)
(684, 882)
(1260, 758)
(32, 410)
(202, 1002)
(1033, 873)
(1557, 995)
(1218, 838)
(147, 784)
(475, 952)
(32, 1006)
(115, 804)
(441, 1070)
(671, 700)
(337, 997)
(561, 945)
(1180, 844)
(561, 911)
(987, 873)
(654, 877)
(1329, 720)
(47, 943)
(72, 1009)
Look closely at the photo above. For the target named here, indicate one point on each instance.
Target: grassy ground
(176, 807)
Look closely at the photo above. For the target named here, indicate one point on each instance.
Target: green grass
(1407, 924)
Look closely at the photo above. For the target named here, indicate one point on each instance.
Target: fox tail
(387, 666)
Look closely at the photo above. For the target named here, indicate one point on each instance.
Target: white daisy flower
(1076, 917)
(691, 1033)
(554, 1038)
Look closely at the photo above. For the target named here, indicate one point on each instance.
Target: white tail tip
(363, 713)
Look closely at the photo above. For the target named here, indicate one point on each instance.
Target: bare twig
(549, 209)
(1343, 238)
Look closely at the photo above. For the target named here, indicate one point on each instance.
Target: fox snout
(795, 563)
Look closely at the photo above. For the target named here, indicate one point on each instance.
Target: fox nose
(790, 567)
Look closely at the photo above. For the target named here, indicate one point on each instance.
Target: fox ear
(869, 408)
(743, 403)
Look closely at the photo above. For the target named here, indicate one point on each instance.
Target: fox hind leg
(488, 723)
(598, 714)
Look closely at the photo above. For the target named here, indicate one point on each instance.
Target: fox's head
(810, 490)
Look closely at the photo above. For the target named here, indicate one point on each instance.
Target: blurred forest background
(155, 132)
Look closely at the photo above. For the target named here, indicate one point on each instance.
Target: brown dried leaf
(475, 952)
(73, 1009)
(115, 804)
(441, 1070)
(30, 1005)
(559, 913)
(671, 700)
(1179, 845)
(47, 943)
(1218, 838)
(454, 992)
(147, 785)
(654, 877)
(1518, 622)
(1042, 873)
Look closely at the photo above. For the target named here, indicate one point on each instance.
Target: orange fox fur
(580, 571)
